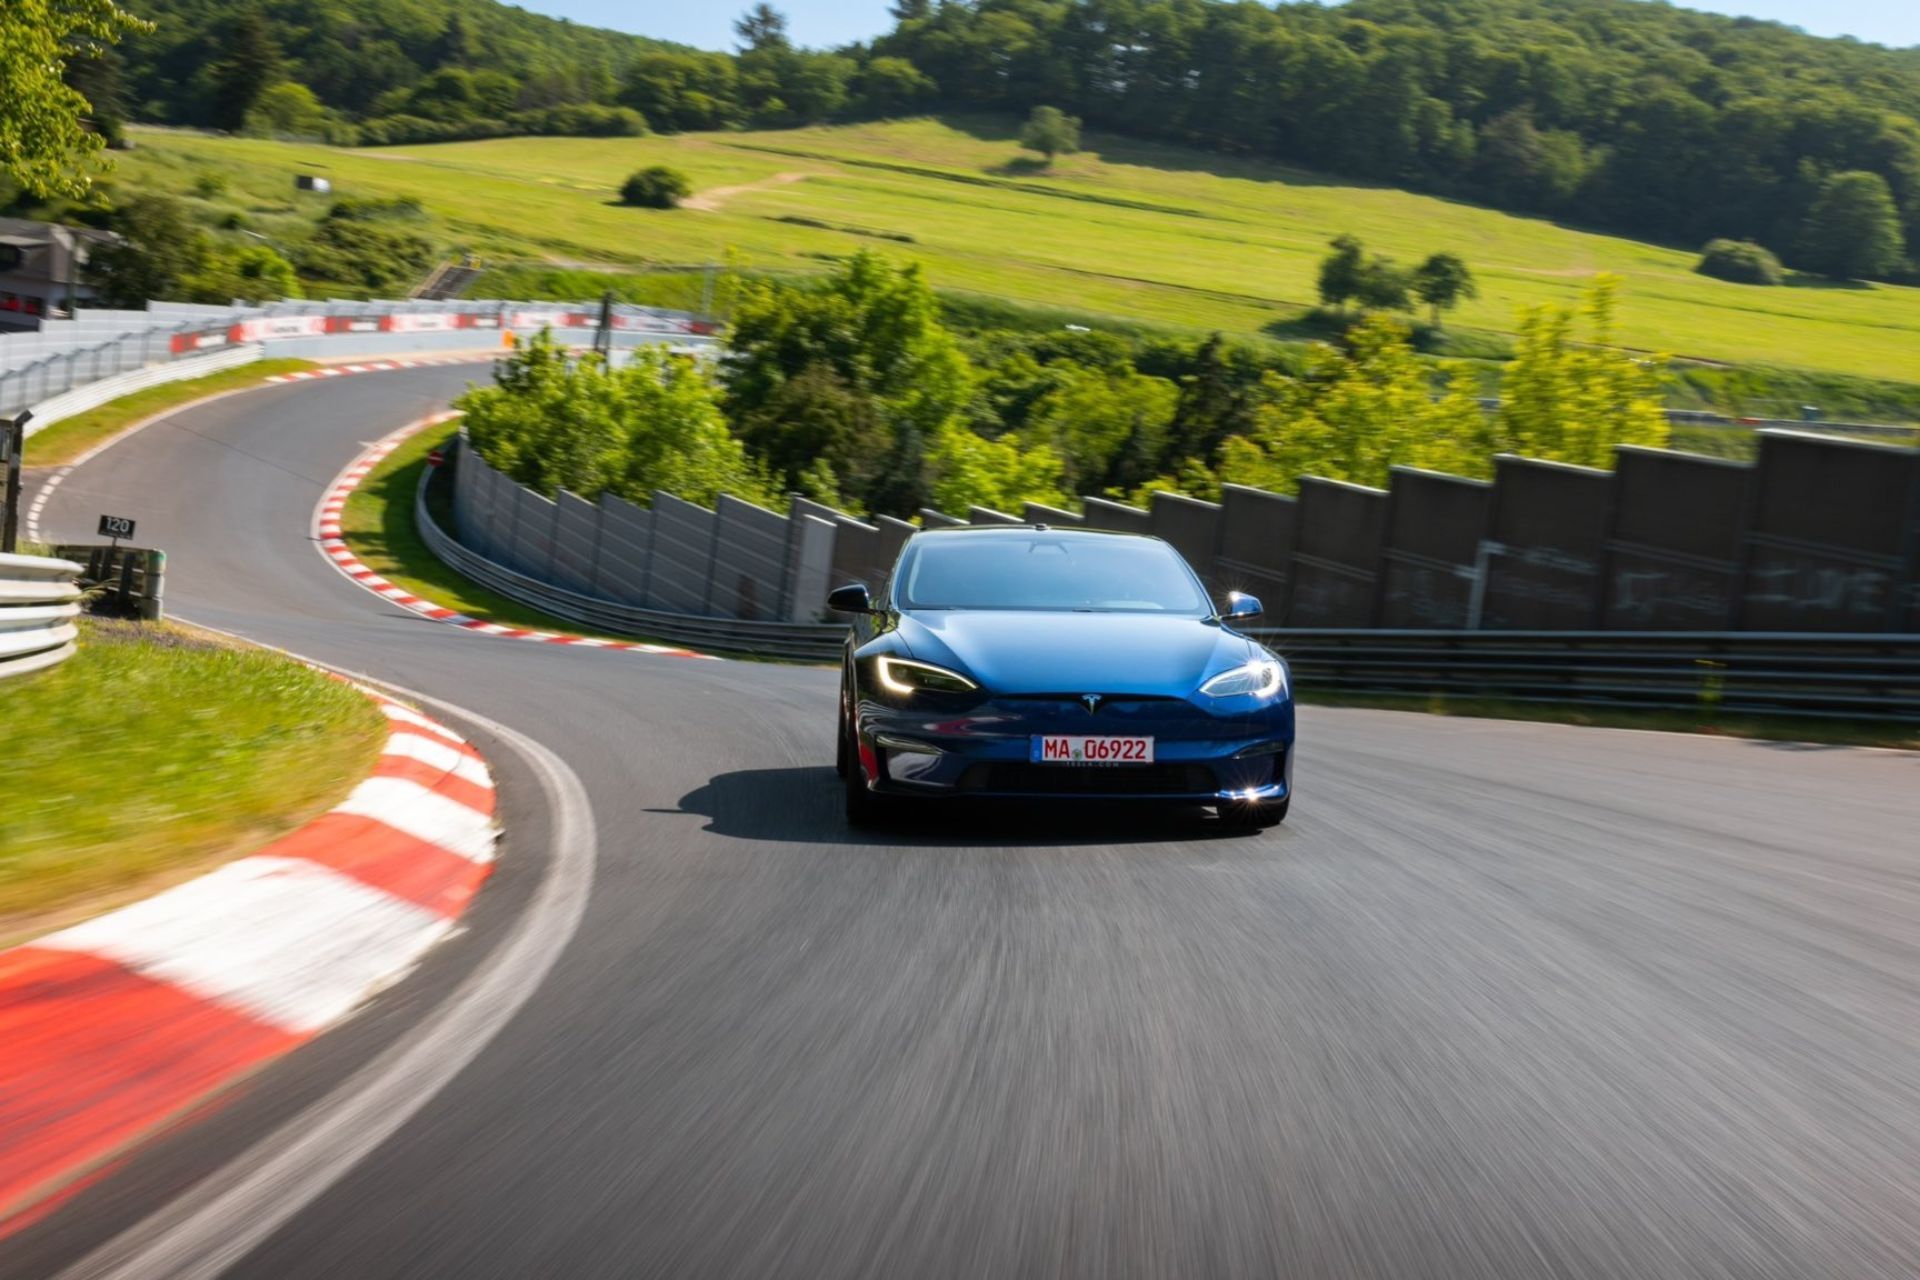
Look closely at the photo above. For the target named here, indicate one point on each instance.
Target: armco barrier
(1851, 677)
(39, 600)
(93, 394)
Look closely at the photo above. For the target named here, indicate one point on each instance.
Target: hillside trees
(45, 143)
(555, 423)
(1853, 230)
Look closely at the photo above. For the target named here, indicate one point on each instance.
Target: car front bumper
(1201, 755)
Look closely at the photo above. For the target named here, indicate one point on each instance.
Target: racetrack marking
(120, 1023)
(330, 538)
(384, 366)
(225, 1217)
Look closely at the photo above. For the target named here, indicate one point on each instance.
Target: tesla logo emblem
(1092, 701)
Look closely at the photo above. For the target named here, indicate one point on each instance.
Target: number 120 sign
(116, 527)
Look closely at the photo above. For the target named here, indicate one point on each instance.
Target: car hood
(1023, 652)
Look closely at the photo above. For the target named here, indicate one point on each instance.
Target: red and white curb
(326, 529)
(381, 366)
(120, 1024)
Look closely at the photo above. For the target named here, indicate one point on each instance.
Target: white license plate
(1076, 748)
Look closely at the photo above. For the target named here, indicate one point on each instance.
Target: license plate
(1075, 748)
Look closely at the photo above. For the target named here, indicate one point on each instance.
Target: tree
(249, 62)
(288, 109)
(868, 337)
(44, 142)
(762, 27)
(154, 253)
(251, 273)
(1383, 285)
(1853, 230)
(894, 86)
(554, 423)
(1357, 414)
(656, 187)
(1568, 401)
(1051, 132)
(1002, 475)
(1341, 272)
(1442, 281)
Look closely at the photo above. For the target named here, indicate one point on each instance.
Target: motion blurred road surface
(1499, 1000)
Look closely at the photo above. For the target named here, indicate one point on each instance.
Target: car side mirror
(1241, 605)
(852, 598)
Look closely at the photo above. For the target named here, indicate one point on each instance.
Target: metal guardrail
(794, 641)
(39, 601)
(1838, 676)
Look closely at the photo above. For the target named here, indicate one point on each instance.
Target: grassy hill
(1128, 229)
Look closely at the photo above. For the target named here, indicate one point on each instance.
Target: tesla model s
(1025, 661)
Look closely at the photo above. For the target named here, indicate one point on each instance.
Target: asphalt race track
(1497, 1001)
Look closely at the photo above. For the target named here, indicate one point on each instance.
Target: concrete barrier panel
(893, 536)
(1672, 555)
(626, 545)
(576, 538)
(1190, 525)
(531, 545)
(1431, 550)
(1336, 554)
(1546, 530)
(1038, 513)
(931, 519)
(1256, 547)
(677, 574)
(1830, 545)
(987, 515)
(749, 560)
(1115, 516)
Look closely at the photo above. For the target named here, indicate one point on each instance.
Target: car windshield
(1046, 570)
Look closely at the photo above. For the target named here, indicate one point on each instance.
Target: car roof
(990, 530)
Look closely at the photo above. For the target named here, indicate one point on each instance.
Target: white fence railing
(39, 600)
(46, 371)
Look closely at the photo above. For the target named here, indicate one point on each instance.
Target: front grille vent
(1090, 780)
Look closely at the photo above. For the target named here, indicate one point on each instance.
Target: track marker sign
(116, 527)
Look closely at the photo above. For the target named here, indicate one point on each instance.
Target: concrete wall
(1672, 554)
(1430, 554)
(1829, 541)
(1821, 535)
(1545, 533)
(1336, 554)
(1255, 547)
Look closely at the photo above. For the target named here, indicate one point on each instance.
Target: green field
(1153, 233)
(160, 751)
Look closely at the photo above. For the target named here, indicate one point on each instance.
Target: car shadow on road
(802, 805)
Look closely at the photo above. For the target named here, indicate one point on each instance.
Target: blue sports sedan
(1027, 661)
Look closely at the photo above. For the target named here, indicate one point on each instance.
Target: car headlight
(905, 676)
(1261, 678)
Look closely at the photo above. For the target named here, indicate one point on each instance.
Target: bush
(581, 120)
(358, 245)
(1741, 261)
(656, 187)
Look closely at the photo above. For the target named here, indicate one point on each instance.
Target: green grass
(155, 752)
(378, 525)
(1155, 234)
(67, 439)
(1853, 733)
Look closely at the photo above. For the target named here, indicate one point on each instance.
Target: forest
(1618, 114)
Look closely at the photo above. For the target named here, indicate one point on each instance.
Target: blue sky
(708, 23)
